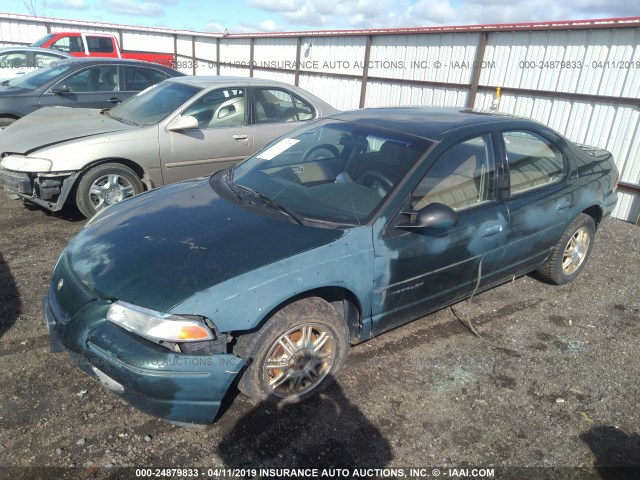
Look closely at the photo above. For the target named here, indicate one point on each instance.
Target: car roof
(209, 81)
(34, 49)
(428, 122)
(90, 60)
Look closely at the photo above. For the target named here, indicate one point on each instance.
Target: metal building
(581, 78)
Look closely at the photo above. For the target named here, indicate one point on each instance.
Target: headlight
(157, 325)
(18, 163)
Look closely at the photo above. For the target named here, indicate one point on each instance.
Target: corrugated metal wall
(582, 80)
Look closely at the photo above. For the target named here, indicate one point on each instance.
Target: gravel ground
(551, 382)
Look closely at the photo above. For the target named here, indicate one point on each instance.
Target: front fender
(76, 155)
(242, 303)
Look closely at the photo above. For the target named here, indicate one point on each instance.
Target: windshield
(43, 40)
(153, 104)
(39, 77)
(331, 171)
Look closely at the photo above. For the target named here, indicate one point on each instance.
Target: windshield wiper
(272, 203)
(5, 83)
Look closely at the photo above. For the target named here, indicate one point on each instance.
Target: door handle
(491, 231)
(562, 206)
(241, 136)
(115, 100)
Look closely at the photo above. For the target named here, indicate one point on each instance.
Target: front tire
(105, 185)
(571, 253)
(298, 352)
(6, 121)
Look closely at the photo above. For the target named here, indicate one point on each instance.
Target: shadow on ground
(10, 304)
(617, 454)
(326, 431)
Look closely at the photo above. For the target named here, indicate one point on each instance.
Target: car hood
(158, 249)
(52, 125)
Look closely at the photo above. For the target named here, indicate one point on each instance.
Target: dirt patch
(552, 382)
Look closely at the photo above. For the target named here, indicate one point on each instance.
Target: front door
(97, 86)
(418, 271)
(222, 138)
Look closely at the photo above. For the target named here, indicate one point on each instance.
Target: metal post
(251, 45)
(193, 54)
(365, 71)
(298, 48)
(477, 69)
(217, 56)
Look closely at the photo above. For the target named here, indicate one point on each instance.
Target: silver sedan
(178, 129)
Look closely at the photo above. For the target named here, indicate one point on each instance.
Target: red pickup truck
(80, 44)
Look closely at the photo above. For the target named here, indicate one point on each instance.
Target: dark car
(341, 230)
(78, 82)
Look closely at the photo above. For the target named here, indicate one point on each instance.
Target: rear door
(539, 205)
(101, 46)
(275, 112)
(138, 78)
(96, 86)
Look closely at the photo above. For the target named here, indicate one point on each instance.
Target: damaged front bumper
(186, 389)
(49, 190)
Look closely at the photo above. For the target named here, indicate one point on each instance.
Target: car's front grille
(69, 294)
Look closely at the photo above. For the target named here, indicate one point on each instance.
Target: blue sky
(242, 16)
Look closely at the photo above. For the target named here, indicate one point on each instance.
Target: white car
(16, 61)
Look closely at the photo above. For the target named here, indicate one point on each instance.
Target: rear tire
(571, 253)
(298, 352)
(105, 185)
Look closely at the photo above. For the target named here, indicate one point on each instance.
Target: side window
(68, 44)
(100, 44)
(276, 106)
(533, 161)
(44, 60)
(94, 79)
(139, 78)
(220, 108)
(464, 176)
(13, 60)
(303, 109)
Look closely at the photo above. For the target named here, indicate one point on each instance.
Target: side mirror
(434, 215)
(60, 89)
(185, 122)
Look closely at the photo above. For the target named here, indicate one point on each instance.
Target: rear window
(533, 161)
(100, 44)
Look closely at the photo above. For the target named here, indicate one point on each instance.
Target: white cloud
(243, 27)
(269, 26)
(131, 7)
(336, 14)
(277, 5)
(71, 4)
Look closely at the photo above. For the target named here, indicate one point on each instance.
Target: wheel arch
(595, 212)
(137, 169)
(12, 116)
(343, 300)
